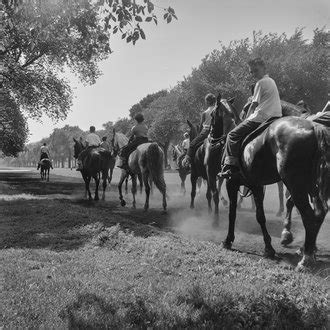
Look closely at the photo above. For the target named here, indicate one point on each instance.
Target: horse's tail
(155, 161)
(322, 163)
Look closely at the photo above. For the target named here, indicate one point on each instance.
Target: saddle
(257, 131)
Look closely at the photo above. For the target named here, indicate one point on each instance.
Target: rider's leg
(233, 145)
(193, 146)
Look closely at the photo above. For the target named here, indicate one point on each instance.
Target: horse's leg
(312, 220)
(161, 185)
(223, 200)
(97, 183)
(104, 182)
(193, 179)
(258, 194)
(110, 177)
(126, 185)
(87, 180)
(141, 182)
(232, 191)
(199, 184)
(134, 189)
(145, 176)
(209, 198)
(281, 198)
(48, 175)
(212, 183)
(120, 184)
(286, 236)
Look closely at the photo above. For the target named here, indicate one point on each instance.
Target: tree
(13, 128)
(165, 121)
(300, 69)
(145, 102)
(42, 39)
(123, 125)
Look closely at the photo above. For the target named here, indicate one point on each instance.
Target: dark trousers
(130, 147)
(197, 142)
(235, 138)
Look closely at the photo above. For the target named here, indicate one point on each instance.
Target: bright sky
(172, 50)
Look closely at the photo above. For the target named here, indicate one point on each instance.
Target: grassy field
(69, 263)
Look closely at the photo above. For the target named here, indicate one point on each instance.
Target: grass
(73, 264)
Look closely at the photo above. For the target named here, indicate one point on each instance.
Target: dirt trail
(67, 184)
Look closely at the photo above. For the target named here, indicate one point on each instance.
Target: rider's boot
(228, 171)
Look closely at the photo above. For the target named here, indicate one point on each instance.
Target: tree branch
(32, 60)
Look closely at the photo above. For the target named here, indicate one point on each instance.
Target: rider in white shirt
(44, 153)
(265, 104)
(92, 141)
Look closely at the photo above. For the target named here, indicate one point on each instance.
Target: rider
(138, 135)
(44, 153)
(92, 141)
(104, 144)
(206, 119)
(265, 105)
(185, 143)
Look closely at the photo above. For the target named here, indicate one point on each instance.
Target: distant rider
(92, 141)
(44, 153)
(206, 118)
(138, 135)
(105, 144)
(185, 143)
(265, 105)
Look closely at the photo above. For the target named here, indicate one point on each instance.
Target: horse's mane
(289, 109)
(121, 139)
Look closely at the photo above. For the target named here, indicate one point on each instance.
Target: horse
(146, 161)
(289, 149)
(97, 161)
(207, 160)
(45, 165)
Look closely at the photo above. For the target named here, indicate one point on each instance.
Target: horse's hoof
(279, 213)
(286, 237)
(306, 263)
(269, 253)
(145, 209)
(164, 212)
(227, 245)
(215, 224)
(96, 199)
(192, 206)
(122, 203)
(224, 202)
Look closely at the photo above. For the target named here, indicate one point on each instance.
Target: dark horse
(97, 161)
(45, 165)
(207, 160)
(293, 150)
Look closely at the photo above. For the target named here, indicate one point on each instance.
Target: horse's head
(193, 130)
(118, 141)
(223, 117)
(77, 147)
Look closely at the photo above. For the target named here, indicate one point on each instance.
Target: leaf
(138, 18)
(129, 39)
(123, 36)
(169, 19)
(155, 20)
(151, 7)
(148, 19)
(142, 34)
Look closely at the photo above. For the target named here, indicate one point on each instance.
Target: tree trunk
(167, 143)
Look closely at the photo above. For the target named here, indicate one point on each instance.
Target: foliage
(299, 68)
(13, 128)
(145, 102)
(123, 125)
(44, 39)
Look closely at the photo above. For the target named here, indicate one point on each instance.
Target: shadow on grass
(69, 224)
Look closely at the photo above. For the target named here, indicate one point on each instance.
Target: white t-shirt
(185, 144)
(268, 99)
(207, 117)
(93, 140)
(44, 149)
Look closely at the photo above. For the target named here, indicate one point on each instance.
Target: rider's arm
(201, 122)
(251, 109)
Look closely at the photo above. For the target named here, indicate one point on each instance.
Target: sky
(170, 51)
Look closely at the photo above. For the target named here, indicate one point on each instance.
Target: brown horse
(44, 169)
(290, 149)
(96, 162)
(146, 161)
